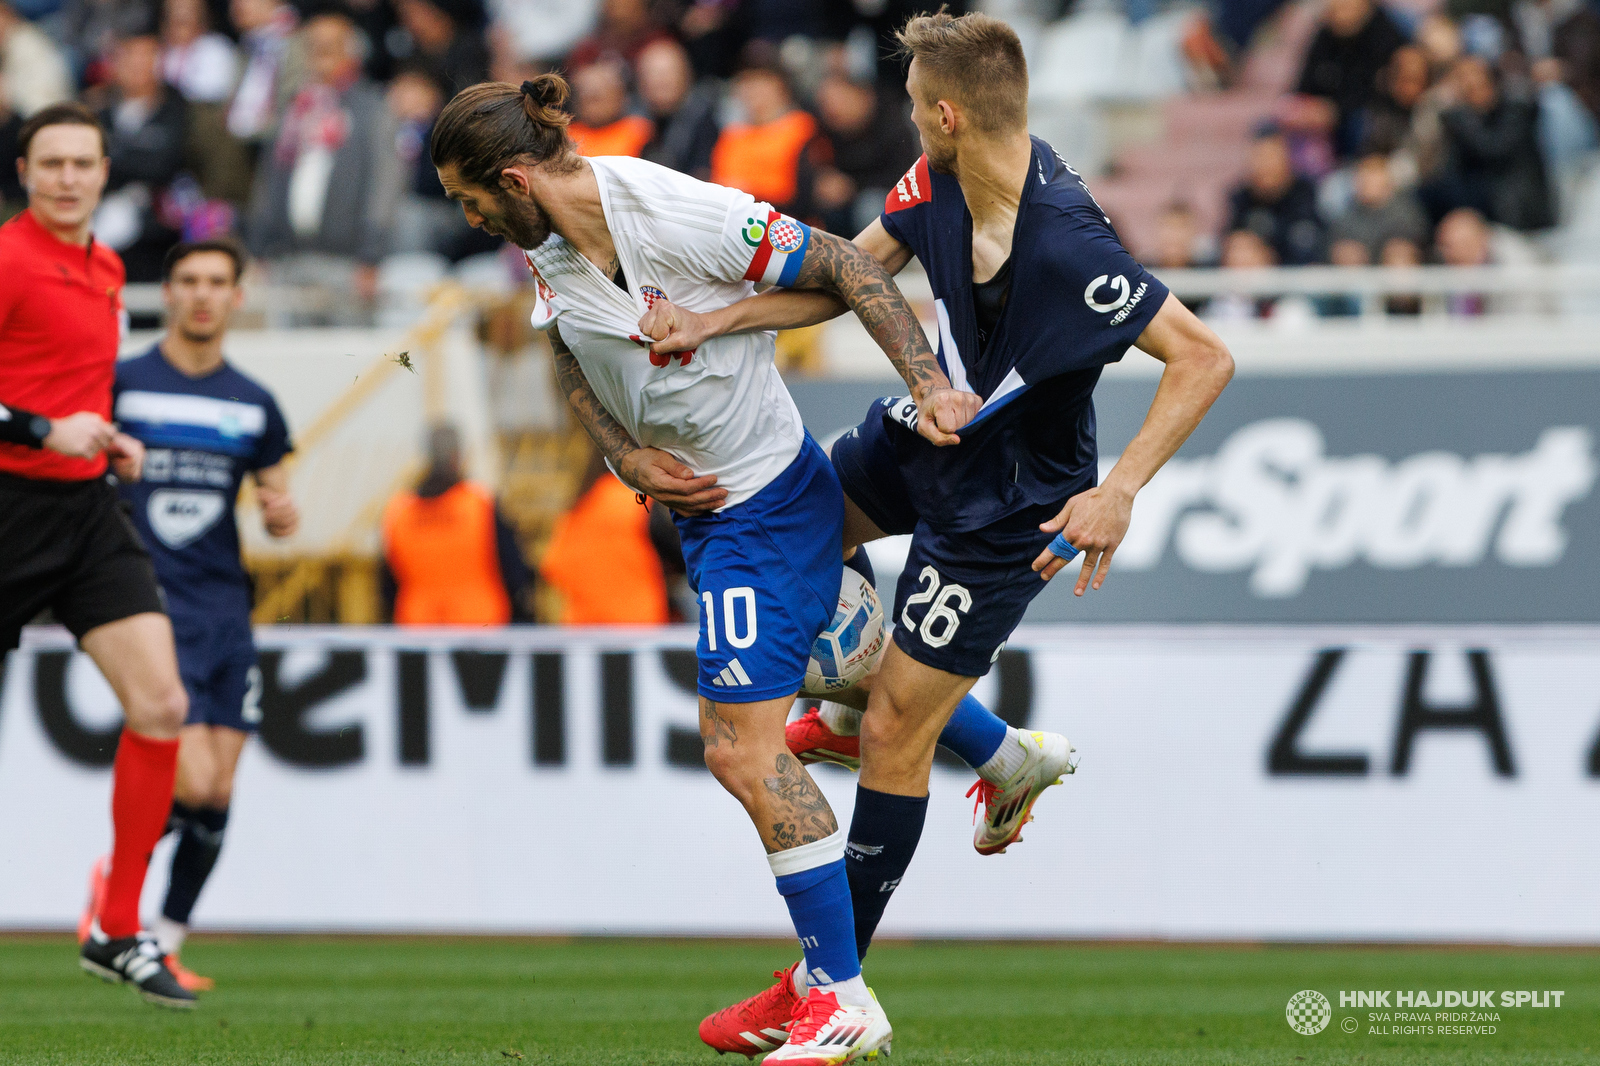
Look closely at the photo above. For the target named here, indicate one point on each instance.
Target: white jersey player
(713, 434)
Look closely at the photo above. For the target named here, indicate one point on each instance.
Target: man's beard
(524, 225)
(941, 157)
(201, 334)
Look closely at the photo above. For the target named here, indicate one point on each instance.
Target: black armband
(23, 427)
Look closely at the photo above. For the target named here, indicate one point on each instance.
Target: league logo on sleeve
(913, 189)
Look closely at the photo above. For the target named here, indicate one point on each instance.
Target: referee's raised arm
(65, 545)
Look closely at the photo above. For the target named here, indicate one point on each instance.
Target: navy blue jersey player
(1034, 295)
(204, 426)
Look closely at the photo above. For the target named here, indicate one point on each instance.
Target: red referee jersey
(60, 325)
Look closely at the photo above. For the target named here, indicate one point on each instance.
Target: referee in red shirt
(64, 542)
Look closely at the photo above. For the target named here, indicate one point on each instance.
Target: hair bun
(546, 90)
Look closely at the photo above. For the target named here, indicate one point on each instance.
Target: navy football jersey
(201, 436)
(1078, 300)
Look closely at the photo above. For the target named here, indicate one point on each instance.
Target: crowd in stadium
(1425, 133)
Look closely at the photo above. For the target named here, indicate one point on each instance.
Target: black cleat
(136, 960)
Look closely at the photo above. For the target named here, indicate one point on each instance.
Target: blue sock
(883, 837)
(863, 566)
(819, 904)
(974, 732)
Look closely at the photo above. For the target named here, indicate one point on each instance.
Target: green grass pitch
(354, 1000)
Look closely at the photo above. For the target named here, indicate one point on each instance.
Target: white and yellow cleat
(825, 1032)
(1047, 758)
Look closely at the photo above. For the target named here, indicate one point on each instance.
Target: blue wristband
(1060, 548)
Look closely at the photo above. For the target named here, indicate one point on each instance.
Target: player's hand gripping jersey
(722, 409)
(1077, 301)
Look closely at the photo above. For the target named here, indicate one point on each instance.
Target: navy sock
(974, 732)
(179, 817)
(192, 860)
(883, 837)
(861, 564)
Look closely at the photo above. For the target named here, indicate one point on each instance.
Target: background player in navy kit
(204, 426)
(1035, 294)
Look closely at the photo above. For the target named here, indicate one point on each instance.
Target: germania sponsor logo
(1273, 503)
(1308, 1012)
(754, 230)
(1138, 296)
(1119, 283)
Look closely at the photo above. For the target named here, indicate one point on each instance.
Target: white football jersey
(722, 409)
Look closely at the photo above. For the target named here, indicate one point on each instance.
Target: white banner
(1236, 782)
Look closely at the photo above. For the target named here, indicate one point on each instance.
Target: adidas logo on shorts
(732, 676)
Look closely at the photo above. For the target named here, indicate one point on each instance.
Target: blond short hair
(974, 61)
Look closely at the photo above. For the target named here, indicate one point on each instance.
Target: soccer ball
(850, 646)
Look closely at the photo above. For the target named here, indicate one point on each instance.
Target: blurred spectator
(1243, 249)
(1379, 213)
(626, 29)
(198, 63)
(274, 65)
(601, 558)
(1404, 119)
(603, 125)
(685, 114)
(540, 32)
(326, 193)
(873, 143)
(426, 220)
(1399, 252)
(1465, 238)
(448, 35)
(1179, 242)
(90, 30)
(1493, 163)
(449, 556)
(1277, 205)
(1561, 39)
(1354, 43)
(1180, 245)
(33, 72)
(766, 152)
(1440, 40)
(147, 124)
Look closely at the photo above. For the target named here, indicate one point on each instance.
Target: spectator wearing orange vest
(603, 127)
(449, 557)
(601, 557)
(769, 153)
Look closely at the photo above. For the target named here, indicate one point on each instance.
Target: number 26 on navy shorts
(961, 594)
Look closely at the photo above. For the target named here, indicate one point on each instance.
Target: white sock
(844, 721)
(1007, 759)
(852, 992)
(802, 984)
(170, 935)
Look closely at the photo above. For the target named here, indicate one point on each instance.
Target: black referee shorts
(66, 545)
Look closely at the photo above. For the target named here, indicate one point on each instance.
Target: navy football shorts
(767, 572)
(961, 594)
(217, 661)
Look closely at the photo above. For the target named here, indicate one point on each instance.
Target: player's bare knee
(159, 713)
(732, 769)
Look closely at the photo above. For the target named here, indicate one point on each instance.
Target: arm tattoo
(716, 727)
(607, 434)
(840, 267)
(801, 809)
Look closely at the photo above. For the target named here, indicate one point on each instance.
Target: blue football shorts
(962, 593)
(767, 572)
(217, 661)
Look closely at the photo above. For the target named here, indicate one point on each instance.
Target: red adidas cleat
(97, 896)
(187, 978)
(810, 739)
(756, 1025)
